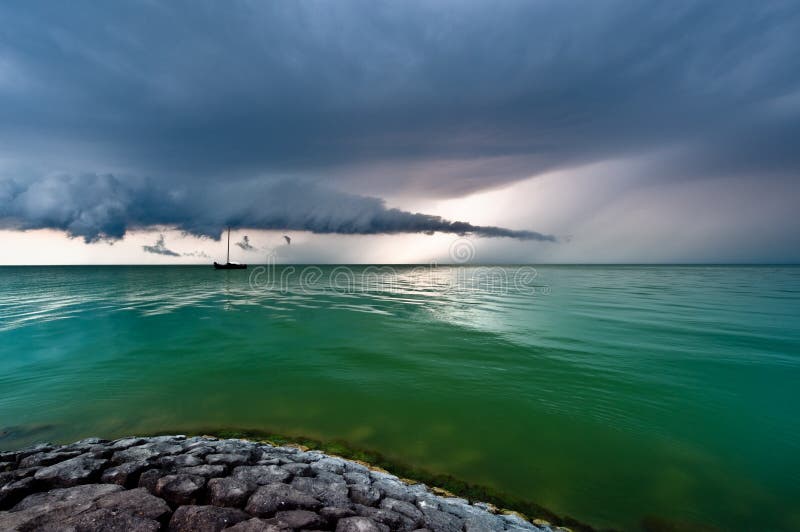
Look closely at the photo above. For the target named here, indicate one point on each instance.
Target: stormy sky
(575, 131)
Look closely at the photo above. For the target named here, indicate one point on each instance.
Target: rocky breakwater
(207, 484)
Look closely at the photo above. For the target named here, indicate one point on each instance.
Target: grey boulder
(257, 525)
(78, 470)
(261, 474)
(205, 518)
(137, 502)
(178, 490)
(126, 474)
(276, 497)
(107, 520)
(357, 524)
(229, 492)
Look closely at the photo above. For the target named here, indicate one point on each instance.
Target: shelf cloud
(98, 207)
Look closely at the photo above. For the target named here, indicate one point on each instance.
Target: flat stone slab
(206, 484)
(71, 472)
(205, 518)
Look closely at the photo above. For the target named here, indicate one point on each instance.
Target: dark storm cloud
(105, 207)
(160, 248)
(416, 98)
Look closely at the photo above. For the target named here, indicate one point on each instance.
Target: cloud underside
(424, 98)
(105, 207)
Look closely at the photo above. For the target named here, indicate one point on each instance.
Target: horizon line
(431, 264)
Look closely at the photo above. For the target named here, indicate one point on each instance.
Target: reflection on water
(608, 393)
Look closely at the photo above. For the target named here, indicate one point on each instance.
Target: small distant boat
(228, 264)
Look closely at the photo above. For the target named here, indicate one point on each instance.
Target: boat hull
(229, 266)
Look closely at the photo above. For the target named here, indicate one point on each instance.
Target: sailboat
(228, 264)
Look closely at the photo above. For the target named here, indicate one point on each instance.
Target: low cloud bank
(160, 248)
(104, 207)
(245, 244)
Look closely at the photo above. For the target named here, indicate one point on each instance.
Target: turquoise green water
(606, 393)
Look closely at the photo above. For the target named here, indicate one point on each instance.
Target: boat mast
(228, 258)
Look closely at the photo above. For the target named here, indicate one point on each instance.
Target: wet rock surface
(207, 484)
